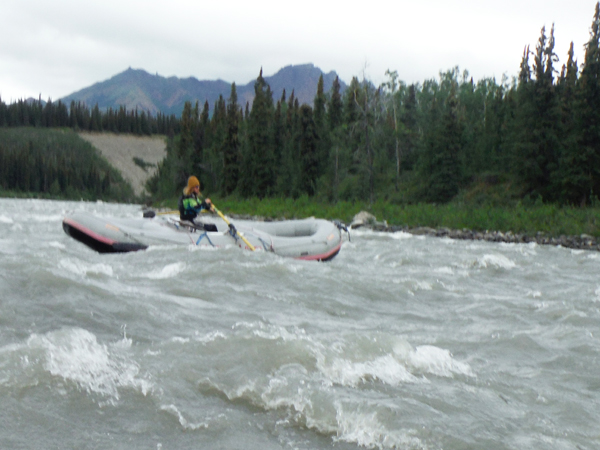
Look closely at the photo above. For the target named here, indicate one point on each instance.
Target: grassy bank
(549, 219)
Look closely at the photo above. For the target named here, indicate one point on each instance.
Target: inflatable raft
(308, 239)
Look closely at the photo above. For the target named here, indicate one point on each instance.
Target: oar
(231, 227)
(150, 214)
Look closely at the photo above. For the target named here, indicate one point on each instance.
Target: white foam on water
(421, 285)
(168, 271)
(448, 241)
(364, 366)
(75, 355)
(534, 294)
(364, 232)
(44, 218)
(6, 219)
(444, 270)
(364, 429)
(529, 249)
(204, 246)
(400, 364)
(435, 361)
(56, 244)
(186, 424)
(82, 269)
(497, 261)
(367, 232)
(353, 422)
(287, 389)
(385, 369)
(15, 366)
(210, 337)
(163, 248)
(249, 389)
(271, 262)
(400, 235)
(271, 332)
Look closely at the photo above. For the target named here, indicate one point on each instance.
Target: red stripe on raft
(89, 232)
(322, 256)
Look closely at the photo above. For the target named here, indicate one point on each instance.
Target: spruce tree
(409, 120)
(231, 148)
(278, 133)
(202, 139)
(308, 151)
(96, 120)
(588, 161)
(321, 129)
(258, 171)
(520, 101)
(213, 161)
(182, 163)
(396, 129)
(319, 103)
(335, 106)
(184, 149)
(288, 177)
(3, 114)
(62, 115)
(73, 122)
(351, 102)
(538, 117)
(440, 162)
(572, 167)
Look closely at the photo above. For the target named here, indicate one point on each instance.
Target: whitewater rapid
(400, 342)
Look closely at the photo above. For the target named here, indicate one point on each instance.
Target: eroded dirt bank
(120, 149)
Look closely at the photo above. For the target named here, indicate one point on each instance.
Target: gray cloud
(55, 48)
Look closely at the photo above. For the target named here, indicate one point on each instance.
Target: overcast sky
(57, 47)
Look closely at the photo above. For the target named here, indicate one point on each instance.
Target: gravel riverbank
(582, 242)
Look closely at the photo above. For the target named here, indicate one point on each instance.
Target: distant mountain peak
(136, 88)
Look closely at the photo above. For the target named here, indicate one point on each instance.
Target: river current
(400, 342)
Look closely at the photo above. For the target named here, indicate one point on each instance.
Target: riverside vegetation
(56, 163)
(520, 155)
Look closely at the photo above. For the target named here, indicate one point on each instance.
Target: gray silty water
(400, 342)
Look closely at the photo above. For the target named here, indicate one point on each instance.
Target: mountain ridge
(136, 88)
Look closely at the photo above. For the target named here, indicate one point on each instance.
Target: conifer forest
(531, 138)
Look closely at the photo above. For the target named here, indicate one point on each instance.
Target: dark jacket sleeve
(190, 207)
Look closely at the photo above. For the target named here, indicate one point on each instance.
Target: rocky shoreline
(582, 242)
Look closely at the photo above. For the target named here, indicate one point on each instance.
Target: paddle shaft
(150, 214)
(250, 246)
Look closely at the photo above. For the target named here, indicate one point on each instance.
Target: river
(400, 342)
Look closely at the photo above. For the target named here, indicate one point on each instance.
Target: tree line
(80, 117)
(536, 136)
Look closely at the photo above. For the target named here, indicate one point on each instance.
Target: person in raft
(190, 204)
